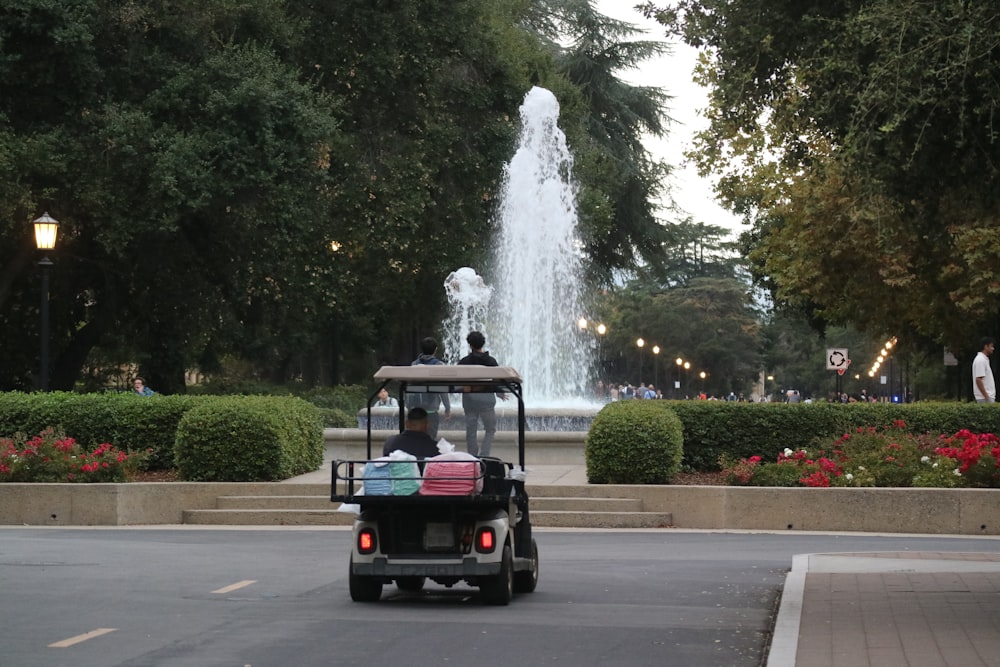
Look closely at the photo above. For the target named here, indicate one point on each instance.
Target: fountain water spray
(529, 312)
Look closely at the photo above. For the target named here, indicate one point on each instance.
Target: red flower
(828, 466)
(816, 479)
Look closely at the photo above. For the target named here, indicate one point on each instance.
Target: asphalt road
(278, 598)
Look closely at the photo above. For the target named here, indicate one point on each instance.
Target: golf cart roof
(442, 373)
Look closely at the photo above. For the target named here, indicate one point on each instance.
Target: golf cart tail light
(486, 541)
(366, 541)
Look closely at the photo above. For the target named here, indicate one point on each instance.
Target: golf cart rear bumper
(467, 567)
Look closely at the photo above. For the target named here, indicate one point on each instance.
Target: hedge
(291, 428)
(127, 421)
(738, 430)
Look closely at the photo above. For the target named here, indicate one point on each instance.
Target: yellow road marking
(234, 587)
(82, 638)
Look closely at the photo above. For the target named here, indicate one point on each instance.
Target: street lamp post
(641, 343)
(656, 366)
(687, 367)
(677, 384)
(601, 331)
(46, 230)
(702, 375)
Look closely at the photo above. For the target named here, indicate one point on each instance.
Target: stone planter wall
(929, 511)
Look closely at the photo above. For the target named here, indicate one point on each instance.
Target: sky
(674, 71)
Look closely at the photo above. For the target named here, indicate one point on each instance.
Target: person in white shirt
(983, 387)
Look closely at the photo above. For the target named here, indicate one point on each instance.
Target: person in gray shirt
(479, 406)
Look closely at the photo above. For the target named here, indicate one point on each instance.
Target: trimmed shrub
(339, 404)
(127, 421)
(717, 430)
(634, 442)
(248, 439)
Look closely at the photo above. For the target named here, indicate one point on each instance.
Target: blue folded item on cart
(378, 477)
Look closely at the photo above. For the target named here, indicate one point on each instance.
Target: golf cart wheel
(364, 589)
(499, 589)
(410, 583)
(525, 581)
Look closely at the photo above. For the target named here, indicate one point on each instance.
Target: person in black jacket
(479, 406)
(414, 439)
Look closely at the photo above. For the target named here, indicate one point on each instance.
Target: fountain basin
(558, 419)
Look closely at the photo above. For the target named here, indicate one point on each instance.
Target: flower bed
(887, 457)
(53, 457)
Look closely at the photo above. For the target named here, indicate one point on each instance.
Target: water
(529, 303)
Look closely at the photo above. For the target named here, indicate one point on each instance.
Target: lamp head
(46, 230)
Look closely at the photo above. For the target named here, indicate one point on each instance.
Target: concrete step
(546, 519)
(275, 503)
(330, 517)
(327, 517)
(543, 503)
(576, 504)
(309, 509)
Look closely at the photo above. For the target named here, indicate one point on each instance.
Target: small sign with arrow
(836, 359)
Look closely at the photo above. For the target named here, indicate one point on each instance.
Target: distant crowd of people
(626, 391)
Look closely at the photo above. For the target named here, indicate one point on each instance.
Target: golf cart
(481, 536)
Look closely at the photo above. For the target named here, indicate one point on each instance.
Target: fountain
(529, 302)
(530, 312)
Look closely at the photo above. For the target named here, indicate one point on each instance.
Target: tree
(620, 181)
(183, 166)
(281, 183)
(859, 139)
(699, 307)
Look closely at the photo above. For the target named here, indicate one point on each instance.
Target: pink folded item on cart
(455, 474)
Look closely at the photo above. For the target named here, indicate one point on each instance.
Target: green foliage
(202, 156)
(855, 139)
(339, 405)
(248, 439)
(634, 442)
(776, 475)
(713, 429)
(127, 421)
(717, 430)
(606, 120)
(710, 319)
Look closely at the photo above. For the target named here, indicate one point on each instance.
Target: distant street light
(46, 231)
(656, 366)
(677, 384)
(601, 331)
(641, 343)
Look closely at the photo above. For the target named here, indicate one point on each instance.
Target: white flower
(788, 452)
(848, 477)
(934, 466)
(925, 459)
(861, 467)
(957, 472)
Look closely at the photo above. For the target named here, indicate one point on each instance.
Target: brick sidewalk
(893, 609)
